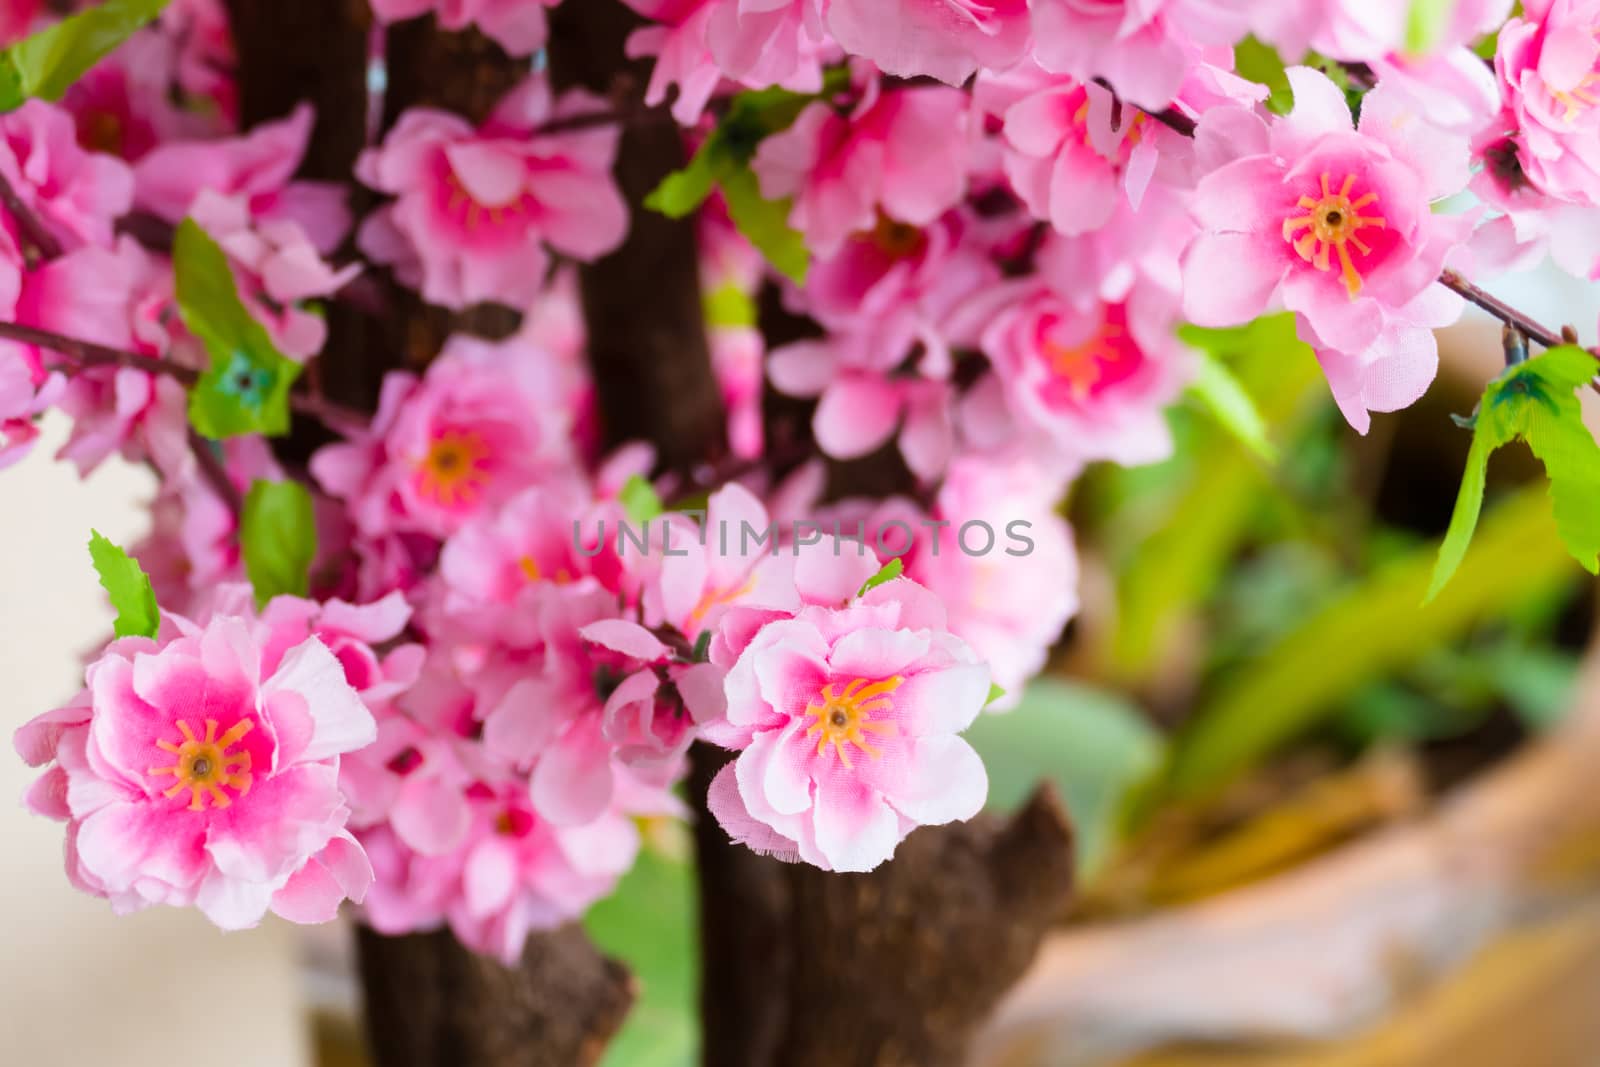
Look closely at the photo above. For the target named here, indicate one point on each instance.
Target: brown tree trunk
(429, 1001)
(801, 968)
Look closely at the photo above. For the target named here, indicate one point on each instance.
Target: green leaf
(765, 224)
(724, 160)
(650, 924)
(639, 500)
(1426, 24)
(1176, 566)
(1534, 401)
(45, 65)
(245, 389)
(128, 586)
(683, 191)
(1373, 628)
(1261, 63)
(995, 693)
(1091, 743)
(278, 539)
(887, 573)
(1222, 394)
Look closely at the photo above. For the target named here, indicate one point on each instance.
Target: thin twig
(90, 354)
(215, 474)
(41, 243)
(1500, 309)
(332, 415)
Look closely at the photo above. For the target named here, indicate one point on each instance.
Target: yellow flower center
(842, 717)
(896, 239)
(534, 573)
(455, 468)
(205, 765)
(472, 211)
(1333, 222)
(1084, 366)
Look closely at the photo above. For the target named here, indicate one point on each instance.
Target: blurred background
(1321, 823)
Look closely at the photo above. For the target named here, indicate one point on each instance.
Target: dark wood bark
(429, 1001)
(432, 1003)
(896, 968)
(647, 338)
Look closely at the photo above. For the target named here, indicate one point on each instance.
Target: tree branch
(90, 354)
(39, 243)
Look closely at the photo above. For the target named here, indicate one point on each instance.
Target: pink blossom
(699, 42)
(944, 39)
(121, 298)
(902, 152)
(518, 26)
(1548, 63)
(206, 59)
(1093, 381)
(17, 19)
(1144, 48)
(1335, 222)
(513, 873)
(193, 771)
(595, 713)
(1066, 161)
(122, 106)
(854, 715)
(474, 209)
(472, 434)
(255, 171)
(78, 195)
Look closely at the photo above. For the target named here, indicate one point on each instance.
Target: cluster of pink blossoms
(1008, 209)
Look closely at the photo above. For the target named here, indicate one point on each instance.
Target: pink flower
(1337, 223)
(699, 42)
(472, 434)
(78, 195)
(902, 151)
(511, 874)
(121, 298)
(596, 713)
(518, 26)
(17, 19)
(944, 39)
(122, 106)
(854, 714)
(474, 209)
(1066, 161)
(194, 771)
(1093, 381)
(1548, 63)
(1144, 48)
(255, 171)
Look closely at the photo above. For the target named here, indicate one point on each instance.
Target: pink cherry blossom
(1094, 381)
(123, 105)
(944, 39)
(472, 434)
(1548, 63)
(854, 715)
(77, 195)
(901, 152)
(192, 772)
(698, 43)
(474, 209)
(121, 298)
(1334, 222)
(17, 19)
(518, 26)
(1145, 48)
(256, 172)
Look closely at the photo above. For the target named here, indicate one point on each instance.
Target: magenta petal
(875, 654)
(856, 415)
(700, 686)
(942, 701)
(125, 842)
(489, 878)
(232, 903)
